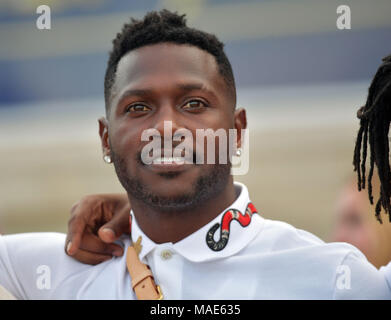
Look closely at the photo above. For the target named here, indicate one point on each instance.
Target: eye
(137, 108)
(194, 105)
(353, 219)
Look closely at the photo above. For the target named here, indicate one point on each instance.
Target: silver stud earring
(238, 152)
(107, 159)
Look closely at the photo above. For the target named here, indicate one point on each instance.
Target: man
(190, 223)
(375, 117)
(356, 224)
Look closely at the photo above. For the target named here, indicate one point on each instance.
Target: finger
(76, 227)
(113, 229)
(73, 208)
(90, 258)
(94, 244)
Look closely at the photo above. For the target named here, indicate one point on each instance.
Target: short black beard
(207, 187)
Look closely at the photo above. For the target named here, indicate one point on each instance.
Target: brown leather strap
(142, 279)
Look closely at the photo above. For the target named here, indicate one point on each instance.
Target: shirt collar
(227, 234)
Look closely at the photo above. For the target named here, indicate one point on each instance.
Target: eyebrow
(185, 87)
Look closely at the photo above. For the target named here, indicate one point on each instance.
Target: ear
(240, 124)
(104, 136)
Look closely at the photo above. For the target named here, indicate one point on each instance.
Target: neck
(163, 227)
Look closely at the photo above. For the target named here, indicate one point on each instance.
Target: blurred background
(300, 78)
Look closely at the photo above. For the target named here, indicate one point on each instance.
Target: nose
(167, 120)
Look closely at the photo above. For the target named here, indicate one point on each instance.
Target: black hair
(159, 27)
(375, 117)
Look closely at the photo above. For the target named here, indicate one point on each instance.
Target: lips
(167, 164)
(167, 157)
(168, 160)
(163, 163)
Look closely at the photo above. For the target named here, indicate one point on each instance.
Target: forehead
(351, 199)
(164, 64)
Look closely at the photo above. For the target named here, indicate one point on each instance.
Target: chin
(172, 191)
(173, 203)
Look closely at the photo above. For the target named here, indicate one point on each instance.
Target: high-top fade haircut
(375, 118)
(159, 27)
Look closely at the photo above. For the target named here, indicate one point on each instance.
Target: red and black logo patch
(228, 216)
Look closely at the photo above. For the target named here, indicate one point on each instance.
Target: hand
(96, 222)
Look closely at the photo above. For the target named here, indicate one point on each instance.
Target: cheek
(213, 122)
(124, 139)
(361, 238)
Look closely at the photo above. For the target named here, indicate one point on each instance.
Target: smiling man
(195, 228)
(180, 84)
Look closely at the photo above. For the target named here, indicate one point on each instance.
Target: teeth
(168, 160)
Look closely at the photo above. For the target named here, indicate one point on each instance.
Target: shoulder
(34, 264)
(341, 269)
(32, 247)
(280, 229)
(278, 236)
(24, 242)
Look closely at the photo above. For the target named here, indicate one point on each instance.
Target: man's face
(167, 82)
(354, 223)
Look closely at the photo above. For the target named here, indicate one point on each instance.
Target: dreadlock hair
(159, 27)
(375, 117)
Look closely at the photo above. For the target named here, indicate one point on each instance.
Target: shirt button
(166, 254)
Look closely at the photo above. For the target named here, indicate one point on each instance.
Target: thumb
(113, 229)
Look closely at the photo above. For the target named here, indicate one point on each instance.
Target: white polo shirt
(260, 259)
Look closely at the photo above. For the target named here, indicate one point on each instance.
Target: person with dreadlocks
(194, 232)
(356, 223)
(375, 117)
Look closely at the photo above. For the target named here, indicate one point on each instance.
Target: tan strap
(143, 284)
(140, 277)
